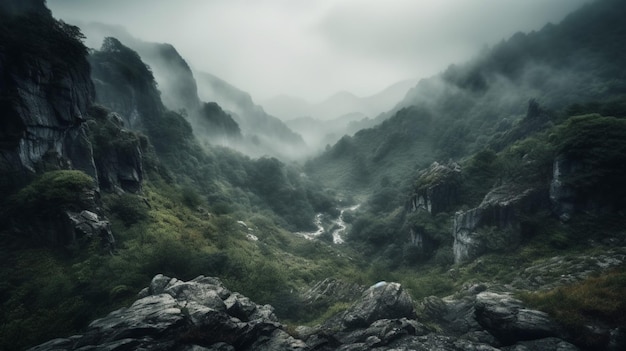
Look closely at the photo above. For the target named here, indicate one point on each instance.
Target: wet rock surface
(381, 301)
(202, 314)
(176, 315)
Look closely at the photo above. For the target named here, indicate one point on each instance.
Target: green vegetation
(199, 203)
(599, 298)
(54, 192)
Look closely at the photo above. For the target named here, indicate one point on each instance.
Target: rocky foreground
(202, 314)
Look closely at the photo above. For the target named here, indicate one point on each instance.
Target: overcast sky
(314, 48)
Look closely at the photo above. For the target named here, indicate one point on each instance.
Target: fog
(313, 49)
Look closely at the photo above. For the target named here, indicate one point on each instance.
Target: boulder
(184, 315)
(87, 224)
(509, 321)
(381, 301)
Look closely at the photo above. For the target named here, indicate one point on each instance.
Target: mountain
(513, 153)
(462, 221)
(458, 111)
(263, 128)
(318, 134)
(87, 190)
(258, 133)
(339, 104)
(287, 107)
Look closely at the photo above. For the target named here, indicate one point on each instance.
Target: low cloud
(314, 48)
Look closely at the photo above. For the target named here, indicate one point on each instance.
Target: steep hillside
(486, 212)
(470, 103)
(104, 186)
(264, 130)
(185, 90)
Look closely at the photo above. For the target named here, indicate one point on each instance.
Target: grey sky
(314, 48)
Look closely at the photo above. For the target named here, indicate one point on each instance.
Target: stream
(337, 233)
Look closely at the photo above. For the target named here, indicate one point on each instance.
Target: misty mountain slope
(171, 72)
(170, 204)
(319, 133)
(342, 114)
(124, 81)
(182, 89)
(570, 63)
(254, 121)
(339, 104)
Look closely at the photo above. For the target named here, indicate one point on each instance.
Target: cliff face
(43, 98)
(125, 84)
(495, 224)
(438, 189)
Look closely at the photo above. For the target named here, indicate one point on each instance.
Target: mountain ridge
(338, 104)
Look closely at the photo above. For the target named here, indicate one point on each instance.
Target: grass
(595, 299)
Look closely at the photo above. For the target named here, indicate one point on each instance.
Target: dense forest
(487, 173)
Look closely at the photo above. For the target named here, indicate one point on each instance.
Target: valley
(148, 204)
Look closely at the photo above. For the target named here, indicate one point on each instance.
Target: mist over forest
(329, 175)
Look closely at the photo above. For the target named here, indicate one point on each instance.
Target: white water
(337, 239)
(318, 232)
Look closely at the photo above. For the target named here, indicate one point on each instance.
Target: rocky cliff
(437, 188)
(125, 84)
(495, 224)
(43, 97)
(49, 130)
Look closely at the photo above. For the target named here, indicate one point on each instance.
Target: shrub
(55, 191)
(129, 208)
(190, 197)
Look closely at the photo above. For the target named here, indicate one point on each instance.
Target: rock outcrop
(438, 188)
(381, 301)
(123, 83)
(494, 224)
(43, 99)
(562, 196)
(508, 320)
(202, 314)
(117, 152)
(331, 289)
(486, 315)
(89, 225)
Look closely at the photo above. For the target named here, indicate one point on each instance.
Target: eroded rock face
(118, 155)
(494, 225)
(43, 106)
(562, 196)
(438, 190)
